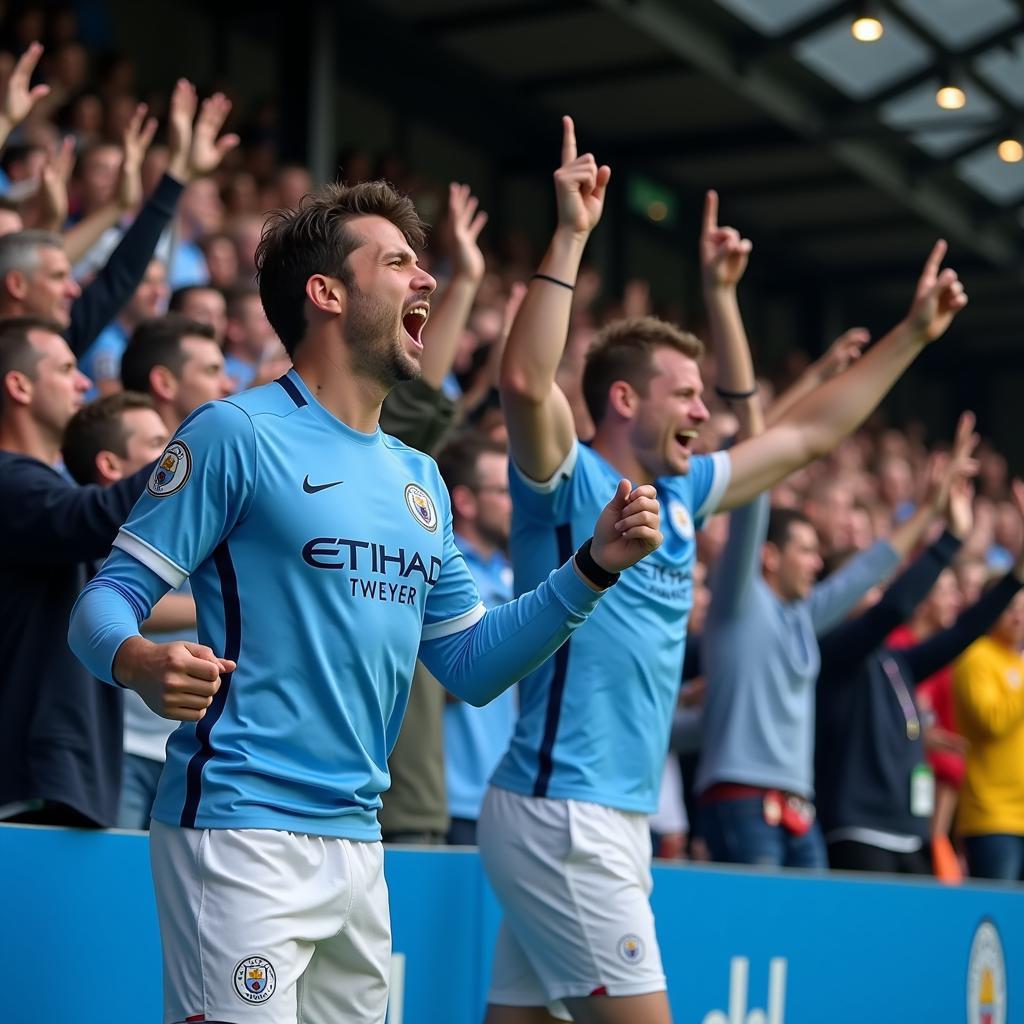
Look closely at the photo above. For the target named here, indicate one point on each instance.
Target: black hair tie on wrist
(555, 280)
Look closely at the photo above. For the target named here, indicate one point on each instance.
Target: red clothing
(937, 692)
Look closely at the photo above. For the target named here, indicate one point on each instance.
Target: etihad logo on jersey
(369, 557)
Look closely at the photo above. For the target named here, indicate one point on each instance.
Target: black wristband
(591, 570)
(735, 395)
(555, 280)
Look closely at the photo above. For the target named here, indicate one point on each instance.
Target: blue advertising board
(79, 940)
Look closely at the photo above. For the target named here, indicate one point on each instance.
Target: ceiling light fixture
(951, 94)
(867, 27)
(1010, 151)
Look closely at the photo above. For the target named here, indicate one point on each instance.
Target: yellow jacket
(988, 691)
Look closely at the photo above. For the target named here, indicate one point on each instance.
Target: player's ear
(622, 399)
(326, 293)
(770, 557)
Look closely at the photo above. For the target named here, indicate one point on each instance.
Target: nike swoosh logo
(313, 488)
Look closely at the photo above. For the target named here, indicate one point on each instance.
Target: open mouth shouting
(413, 320)
(684, 438)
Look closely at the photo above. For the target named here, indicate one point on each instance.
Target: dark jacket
(864, 756)
(114, 285)
(60, 731)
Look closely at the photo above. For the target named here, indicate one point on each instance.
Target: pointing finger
(568, 140)
(934, 261)
(710, 211)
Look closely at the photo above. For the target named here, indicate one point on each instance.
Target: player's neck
(618, 453)
(352, 398)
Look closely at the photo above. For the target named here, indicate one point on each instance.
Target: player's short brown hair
(315, 239)
(624, 350)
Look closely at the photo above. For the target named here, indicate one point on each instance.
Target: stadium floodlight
(867, 26)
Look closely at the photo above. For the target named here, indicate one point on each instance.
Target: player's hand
(52, 202)
(465, 222)
(723, 253)
(137, 138)
(846, 349)
(17, 99)
(961, 467)
(195, 149)
(579, 185)
(627, 530)
(209, 147)
(938, 298)
(176, 680)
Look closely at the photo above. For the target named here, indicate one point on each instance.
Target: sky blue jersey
(321, 561)
(594, 720)
(476, 738)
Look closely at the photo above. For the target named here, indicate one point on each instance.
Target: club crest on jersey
(255, 980)
(631, 949)
(172, 470)
(681, 520)
(421, 506)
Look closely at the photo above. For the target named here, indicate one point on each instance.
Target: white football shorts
(268, 927)
(574, 880)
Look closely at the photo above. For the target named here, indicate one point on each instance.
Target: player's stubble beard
(374, 332)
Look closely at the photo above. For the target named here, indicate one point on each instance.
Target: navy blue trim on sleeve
(232, 647)
(563, 535)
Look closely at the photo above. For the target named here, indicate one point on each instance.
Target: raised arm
(723, 260)
(949, 492)
(926, 658)
(819, 421)
(835, 596)
(193, 154)
(540, 423)
(138, 135)
(449, 316)
(846, 349)
(18, 98)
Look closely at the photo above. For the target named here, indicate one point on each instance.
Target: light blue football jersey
(475, 739)
(594, 720)
(319, 557)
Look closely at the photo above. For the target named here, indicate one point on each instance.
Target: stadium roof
(831, 153)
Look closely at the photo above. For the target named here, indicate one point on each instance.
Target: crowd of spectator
(128, 299)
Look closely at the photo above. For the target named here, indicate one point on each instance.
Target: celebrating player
(563, 831)
(322, 562)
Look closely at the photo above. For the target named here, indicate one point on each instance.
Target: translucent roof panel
(1003, 68)
(938, 131)
(1001, 182)
(959, 23)
(776, 16)
(862, 69)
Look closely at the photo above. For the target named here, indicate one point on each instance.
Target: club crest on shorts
(255, 980)
(420, 504)
(681, 519)
(172, 471)
(631, 949)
